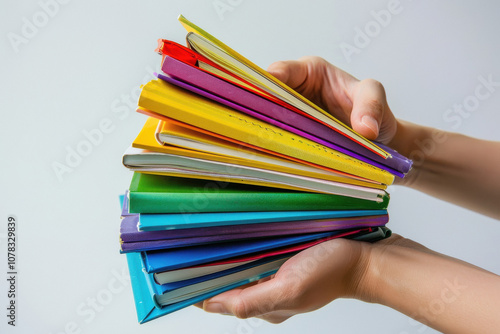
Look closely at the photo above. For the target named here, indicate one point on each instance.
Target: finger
(293, 73)
(369, 106)
(249, 302)
(200, 304)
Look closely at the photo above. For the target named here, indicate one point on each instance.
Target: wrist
(406, 141)
(374, 261)
(358, 284)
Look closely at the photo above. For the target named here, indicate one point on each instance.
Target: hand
(447, 294)
(306, 282)
(359, 104)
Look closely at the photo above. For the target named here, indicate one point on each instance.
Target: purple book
(134, 240)
(224, 92)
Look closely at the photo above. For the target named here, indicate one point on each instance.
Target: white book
(193, 272)
(153, 162)
(194, 290)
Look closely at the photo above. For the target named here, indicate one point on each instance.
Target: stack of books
(234, 173)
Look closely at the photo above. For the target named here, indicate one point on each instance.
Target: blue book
(164, 260)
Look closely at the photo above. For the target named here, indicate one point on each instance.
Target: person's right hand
(359, 104)
(447, 294)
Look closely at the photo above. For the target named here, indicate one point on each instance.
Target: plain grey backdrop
(70, 68)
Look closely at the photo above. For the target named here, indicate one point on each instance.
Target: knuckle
(289, 292)
(314, 60)
(373, 83)
(240, 309)
(278, 64)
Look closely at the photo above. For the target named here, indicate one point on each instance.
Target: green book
(166, 194)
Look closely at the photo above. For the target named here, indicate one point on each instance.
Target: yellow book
(212, 48)
(174, 134)
(173, 102)
(147, 139)
(147, 155)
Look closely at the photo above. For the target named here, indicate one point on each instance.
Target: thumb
(369, 105)
(293, 73)
(248, 302)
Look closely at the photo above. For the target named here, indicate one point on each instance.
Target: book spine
(184, 106)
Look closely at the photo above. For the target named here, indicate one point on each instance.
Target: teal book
(166, 194)
(153, 300)
(147, 292)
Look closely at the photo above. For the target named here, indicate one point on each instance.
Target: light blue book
(147, 293)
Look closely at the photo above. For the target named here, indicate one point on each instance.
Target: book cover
(164, 194)
(143, 288)
(184, 106)
(175, 292)
(217, 266)
(129, 231)
(229, 59)
(202, 83)
(144, 161)
(192, 272)
(176, 258)
(169, 221)
(194, 59)
(189, 140)
(162, 222)
(151, 245)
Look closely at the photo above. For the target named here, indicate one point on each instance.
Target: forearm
(453, 167)
(441, 292)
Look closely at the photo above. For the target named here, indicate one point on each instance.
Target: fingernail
(216, 308)
(370, 123)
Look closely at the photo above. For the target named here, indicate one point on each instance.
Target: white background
(73, 72)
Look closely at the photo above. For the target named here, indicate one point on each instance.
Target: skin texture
(442, 292)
